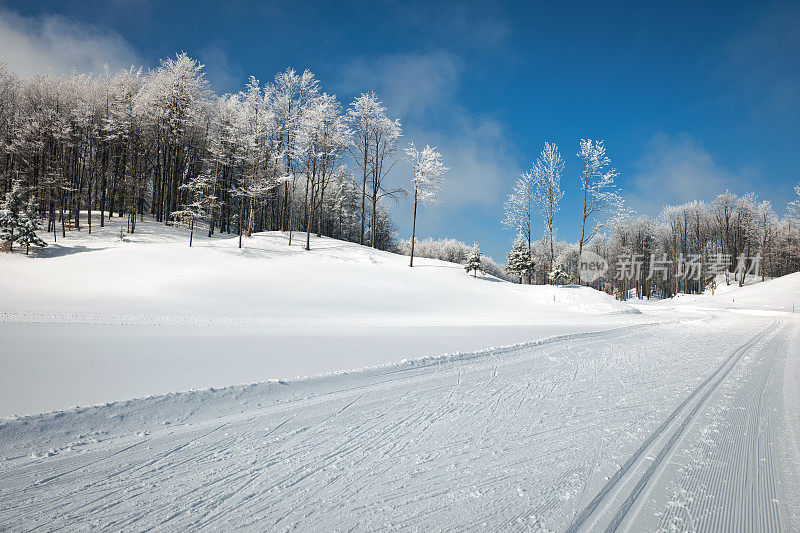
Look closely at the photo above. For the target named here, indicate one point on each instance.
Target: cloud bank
(50, 43)
(677, 169)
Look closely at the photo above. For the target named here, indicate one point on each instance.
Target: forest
(684, 249)
(286, 155)
(271, 157)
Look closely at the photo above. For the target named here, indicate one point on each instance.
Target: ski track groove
(496, 441)
(694, 403)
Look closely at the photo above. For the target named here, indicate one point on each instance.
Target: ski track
(616, 499)
(583, 432)
(731, 478)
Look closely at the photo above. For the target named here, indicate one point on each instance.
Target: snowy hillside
(779, 295)
(162, 317)
(596, 417)
(154, 273)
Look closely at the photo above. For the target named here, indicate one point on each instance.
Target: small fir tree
(11, 220)
(29, 225)
(558, 275)
(474, 262)
(520, 261)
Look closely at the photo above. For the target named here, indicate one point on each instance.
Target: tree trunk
(413, 228)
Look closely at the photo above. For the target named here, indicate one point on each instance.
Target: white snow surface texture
(597, 415)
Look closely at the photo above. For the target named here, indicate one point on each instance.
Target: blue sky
(690, 99)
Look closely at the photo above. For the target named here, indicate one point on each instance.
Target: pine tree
(29, 225)
(474, 262)
(520, 261)
(558, 275)
(11, 221)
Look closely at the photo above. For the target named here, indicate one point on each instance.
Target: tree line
(734, 236)
(284, 155)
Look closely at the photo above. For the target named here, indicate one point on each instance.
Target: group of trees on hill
(684, 249)
(283, 155)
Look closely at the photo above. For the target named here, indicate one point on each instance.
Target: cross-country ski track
(578, 432)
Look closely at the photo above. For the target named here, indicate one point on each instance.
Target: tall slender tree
(547, 190)
(427, 171)
(602, 203)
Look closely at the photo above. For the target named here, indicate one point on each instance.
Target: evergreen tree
(474, 262)
(520, 262)
(558, 275)
(29, 225)
(10, 220)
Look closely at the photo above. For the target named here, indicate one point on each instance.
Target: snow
(773, 296)
(103, 320)
(595, 416)
(508, 438)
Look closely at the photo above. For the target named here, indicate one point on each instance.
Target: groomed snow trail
(582, 432)
(739, 486)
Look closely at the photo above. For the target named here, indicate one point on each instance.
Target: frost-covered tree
(322, 138)
(520, 262)
(547, 190)
(519, 205)
(745, 226)
(363, 117)
(473, 263)
(767, 222)
(723, 206)
(427, 171)
(794, 205)
(375, 138)
(29, 225)
(291, 94)
(12, 220)
(173, 102)
(198, 200)
(602, 202)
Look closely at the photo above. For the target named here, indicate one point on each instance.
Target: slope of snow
(154, 273)
(581, 432)
(680, 418)
(778, 295)
(91, 319)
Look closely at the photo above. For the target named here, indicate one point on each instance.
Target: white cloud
(410, 84)
(31, 45)
(223, 75)
(677, 169)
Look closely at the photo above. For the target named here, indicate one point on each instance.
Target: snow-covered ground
(94, 320)
(681, 417)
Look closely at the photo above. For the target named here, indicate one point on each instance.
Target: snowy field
(596, 415)
(104, 320)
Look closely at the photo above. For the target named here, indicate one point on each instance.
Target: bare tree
(427, 171)
(547, 190)
(600, 193)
